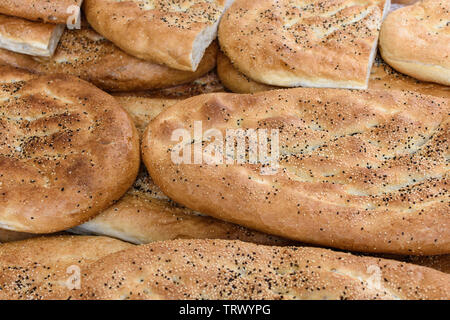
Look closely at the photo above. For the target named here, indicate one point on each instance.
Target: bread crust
(33, 38)
(382, 77)
(37, 269)
(144, 214)
(228, 270)
(415, 40)
(316, 44)
(164, 32)
(236, 81)
(57, 12)
(360, 170)
(68, 150)
(86, 54)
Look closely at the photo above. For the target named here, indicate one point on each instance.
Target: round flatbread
(415, 40)
(67, 151)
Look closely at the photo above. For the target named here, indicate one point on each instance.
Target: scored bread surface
(310, 43)
(137, 27)
(415, 40)
(86, 54)
(144, 214)
(41, 268)
(28, 37)
(358, 170)
(67, 151)
(49, 11)
(220, 269)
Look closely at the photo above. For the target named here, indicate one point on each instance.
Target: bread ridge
(371, 201)
(86, 54)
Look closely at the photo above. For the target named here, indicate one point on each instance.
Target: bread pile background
(91, 92)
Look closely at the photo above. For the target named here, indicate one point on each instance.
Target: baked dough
(415, 40)
(382, 76)
(144, 214)
(358, 170)
(37, 269)
(228, 270)
(34, 38)
(67, 151)
(173, 33)
(86, 54)
(49, 11)
(236, 81)
(312, 43)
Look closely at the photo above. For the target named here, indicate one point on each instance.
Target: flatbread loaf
(67, 151)
(48, 11)
(86, 54)
(33, 38)
(227, 270)
(357, 170)
(313, 43)
(173, 33)
(43, 268)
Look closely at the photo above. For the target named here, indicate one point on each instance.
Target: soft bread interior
(205, 38)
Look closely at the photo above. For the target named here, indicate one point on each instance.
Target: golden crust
(316, 44)
(144, 214)
(86, 54)
(23, 36)
(359, 170)
(146, 105)
(219, 269)
(41, 10)
(415, 40)
(40, 268)
(67, 151)
(165, 32)
(382, 76)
